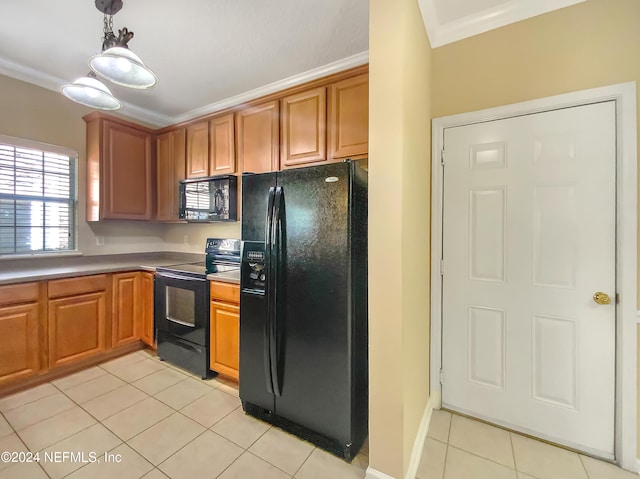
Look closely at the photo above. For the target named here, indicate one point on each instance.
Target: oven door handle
(269, 292)
(179, 277)
(183, 323)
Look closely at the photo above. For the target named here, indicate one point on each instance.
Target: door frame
(627, 317)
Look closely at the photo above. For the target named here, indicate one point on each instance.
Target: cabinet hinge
(441, 267)
(441, 376)
(442, 157)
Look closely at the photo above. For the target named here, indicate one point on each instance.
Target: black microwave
(212, 198)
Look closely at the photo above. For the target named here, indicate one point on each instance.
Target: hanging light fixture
(91, 92)
(117, 63)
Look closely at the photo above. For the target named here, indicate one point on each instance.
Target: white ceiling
(211, 54)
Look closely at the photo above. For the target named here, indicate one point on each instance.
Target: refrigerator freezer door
(315, 325)
(255, 367)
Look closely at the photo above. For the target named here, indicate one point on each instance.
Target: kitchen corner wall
(587, 45)
(31, 112)
(34, 113)
(399, 228)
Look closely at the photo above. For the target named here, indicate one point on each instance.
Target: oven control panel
(253, 276)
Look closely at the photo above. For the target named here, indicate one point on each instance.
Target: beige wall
(31, 112)
(399, 189)
(588, 45)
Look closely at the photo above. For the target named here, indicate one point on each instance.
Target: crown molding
(35, 77)
(50, 82)
(325, 70)
(489, 19)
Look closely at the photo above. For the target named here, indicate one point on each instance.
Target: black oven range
(181, 305)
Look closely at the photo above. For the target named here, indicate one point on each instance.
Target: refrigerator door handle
(269, 292)
(276, 257)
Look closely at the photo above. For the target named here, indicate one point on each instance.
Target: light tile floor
(153, 421)
(459, 448)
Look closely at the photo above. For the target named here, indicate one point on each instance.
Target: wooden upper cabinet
(222, 151)
(257, 130)
(198, 149)
(120, 176)
(170, 169)
(348, 134)
(303, 128)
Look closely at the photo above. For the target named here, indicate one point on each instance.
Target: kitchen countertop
(46, 268)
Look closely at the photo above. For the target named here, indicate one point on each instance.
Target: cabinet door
(222, 152)
(127, 173)
(126, 308)
(145, 322)
(19, 342)
(170, 169)
(77, 327)
(198, 150)
(303, 127)
(225, 338)
(348, 133)
(258, 138)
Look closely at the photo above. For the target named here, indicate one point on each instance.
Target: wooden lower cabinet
(19, 341)
(145, 323)
(77, 318)
(225, 339)
(77, 326)
(126, 308)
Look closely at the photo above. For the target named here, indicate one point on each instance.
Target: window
(37, 197)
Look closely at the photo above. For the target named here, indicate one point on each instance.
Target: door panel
(529, 236)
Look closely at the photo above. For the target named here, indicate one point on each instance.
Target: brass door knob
(601, 298)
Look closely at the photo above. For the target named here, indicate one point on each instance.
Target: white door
(528, 238)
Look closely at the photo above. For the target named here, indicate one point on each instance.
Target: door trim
(624, 95)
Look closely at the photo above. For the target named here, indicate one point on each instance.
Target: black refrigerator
(303, 303)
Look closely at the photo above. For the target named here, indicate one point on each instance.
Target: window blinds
(37, 199)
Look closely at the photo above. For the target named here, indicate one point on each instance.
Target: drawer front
(18, 293)
(226, 292)
(77, 285)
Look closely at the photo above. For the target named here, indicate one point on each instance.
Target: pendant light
(91, 92)
(117, 63)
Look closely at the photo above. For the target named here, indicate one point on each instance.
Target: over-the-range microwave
(211, 198)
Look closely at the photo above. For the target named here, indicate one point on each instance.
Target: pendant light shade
(91, 92)
(123, 67)
(116, 63)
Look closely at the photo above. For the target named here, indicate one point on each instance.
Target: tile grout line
(444, 466)
(304, 462)
(583, 466)
(483, 457)
(513, 453)
(28, 402)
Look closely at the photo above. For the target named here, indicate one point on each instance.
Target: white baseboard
(638, 466)
(373, 474)
(416, 452)
(418, 444)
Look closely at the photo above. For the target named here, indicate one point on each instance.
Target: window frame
(74, 158)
